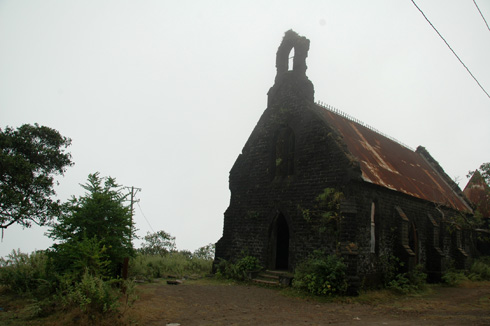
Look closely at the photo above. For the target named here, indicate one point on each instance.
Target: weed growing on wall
(388, 265)
(325, 214)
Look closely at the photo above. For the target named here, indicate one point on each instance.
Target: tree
(99, 216)
(30, 158)
(205, 252)
(158, 243)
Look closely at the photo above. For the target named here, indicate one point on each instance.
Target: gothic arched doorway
(279, 243)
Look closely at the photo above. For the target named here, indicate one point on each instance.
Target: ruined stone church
(390, 200)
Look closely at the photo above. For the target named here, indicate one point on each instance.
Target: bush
(480, 270)
(239, 269)
(25, 274)
(453, 277)
(92, 295)
(77, 257)
(411, 282)
(388, 266)
(33, 276)
(321, 274)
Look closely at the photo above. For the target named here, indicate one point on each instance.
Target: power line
(145, 217)
(450, 48)
(481, 14)
(133, 192)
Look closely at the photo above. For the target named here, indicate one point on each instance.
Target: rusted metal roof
(387, 163)
(477, 192)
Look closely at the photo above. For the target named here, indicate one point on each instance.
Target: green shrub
(25, 274)
(32, 275)
(145, 267)
(411, 282)
(453, 277)
(222, 267)
(77, 257)
(248, 263)
(480, 269)
(321, 274)
(91, 294)
(388, 266)
(239, 269)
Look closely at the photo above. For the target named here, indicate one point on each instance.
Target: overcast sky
(162, 95)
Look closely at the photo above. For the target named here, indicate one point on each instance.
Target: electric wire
(145, 217)
(474, 1)
(488, 95)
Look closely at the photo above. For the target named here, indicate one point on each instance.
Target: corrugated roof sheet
(477, 192)
(386, 163)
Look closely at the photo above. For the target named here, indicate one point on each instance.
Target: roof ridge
(351, 118)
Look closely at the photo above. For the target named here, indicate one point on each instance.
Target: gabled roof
(477, 191)
(387, 163)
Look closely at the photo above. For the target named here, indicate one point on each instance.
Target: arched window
(373, 228)
(413, 240)
(291, 60)
(284, 152)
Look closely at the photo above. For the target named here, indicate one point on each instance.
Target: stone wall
(414, 230)
(258, 195)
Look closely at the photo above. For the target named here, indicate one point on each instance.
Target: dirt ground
(198, 303)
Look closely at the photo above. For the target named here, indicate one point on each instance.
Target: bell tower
(295, 76)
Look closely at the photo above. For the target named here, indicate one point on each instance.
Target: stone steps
(274, 278)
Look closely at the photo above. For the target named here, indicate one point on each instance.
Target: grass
(370, 297)
(18, 310)
(147, 267)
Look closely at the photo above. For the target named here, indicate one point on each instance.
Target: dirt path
(221, 304)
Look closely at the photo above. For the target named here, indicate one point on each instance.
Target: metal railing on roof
(348, 117)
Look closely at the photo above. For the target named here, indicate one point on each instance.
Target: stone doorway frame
(279, 243)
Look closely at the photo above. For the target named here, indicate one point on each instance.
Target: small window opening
(373, 228)
(413, 241)
(291, 60)
(284, 158)
(459, 242)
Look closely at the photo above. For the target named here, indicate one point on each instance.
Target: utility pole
(125, 266)
(134, 191)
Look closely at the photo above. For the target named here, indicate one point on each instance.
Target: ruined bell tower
(291, 79)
